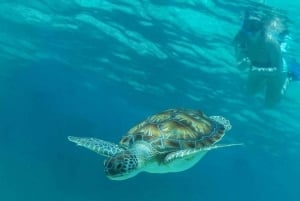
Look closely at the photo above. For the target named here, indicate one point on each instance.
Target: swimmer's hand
(244, 63)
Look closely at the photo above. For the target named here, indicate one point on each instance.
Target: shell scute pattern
(176, 129)
(197, 124)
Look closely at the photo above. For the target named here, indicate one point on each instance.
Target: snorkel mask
(252, 25)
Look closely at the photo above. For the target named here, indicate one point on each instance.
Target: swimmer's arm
(242, 59)
(240, 52)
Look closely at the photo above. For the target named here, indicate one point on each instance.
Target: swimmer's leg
(255, 82)
(275, 85)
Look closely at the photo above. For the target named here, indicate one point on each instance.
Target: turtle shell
(175, 129)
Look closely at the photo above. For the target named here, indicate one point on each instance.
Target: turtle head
(121, 166)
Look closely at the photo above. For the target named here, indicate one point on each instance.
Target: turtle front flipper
(101, 147)
(193, 153)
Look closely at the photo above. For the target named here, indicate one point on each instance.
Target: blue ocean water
(96, 68)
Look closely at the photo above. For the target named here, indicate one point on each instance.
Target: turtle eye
(122, 165)
(119, 166)
(115, 165)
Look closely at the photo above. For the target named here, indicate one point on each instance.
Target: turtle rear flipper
(101, 147)
(223, 121)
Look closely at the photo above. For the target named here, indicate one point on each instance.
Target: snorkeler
(261, 54)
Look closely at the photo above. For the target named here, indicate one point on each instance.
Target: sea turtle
(171, 141)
